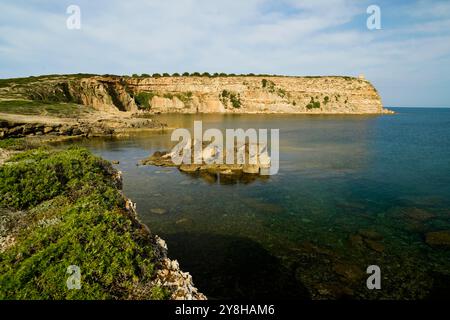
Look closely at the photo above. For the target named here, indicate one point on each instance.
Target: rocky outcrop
(246, 164)
(85, 128)
(221, 94)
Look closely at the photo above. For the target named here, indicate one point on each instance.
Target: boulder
(438, 239)
(48, 129)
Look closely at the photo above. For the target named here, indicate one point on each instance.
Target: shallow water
(297, 234)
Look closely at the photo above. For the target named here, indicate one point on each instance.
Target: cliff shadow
(228, 267)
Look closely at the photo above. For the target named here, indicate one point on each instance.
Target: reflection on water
(352, 191)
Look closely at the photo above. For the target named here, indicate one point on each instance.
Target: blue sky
(408, 60)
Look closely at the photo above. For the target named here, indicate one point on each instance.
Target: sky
(407, 60)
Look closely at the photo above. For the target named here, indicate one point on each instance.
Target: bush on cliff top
(78, 218)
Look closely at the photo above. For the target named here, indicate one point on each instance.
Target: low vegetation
(144, 99)
(272, 88)
(75, 215)
(43, 108)
(227, 97)
(313, 104)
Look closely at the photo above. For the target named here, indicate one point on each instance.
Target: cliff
(190, 94)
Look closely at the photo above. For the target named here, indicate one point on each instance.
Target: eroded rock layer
(222, 94)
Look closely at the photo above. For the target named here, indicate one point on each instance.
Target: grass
(15, 144)
(75, 215)
(33, 107)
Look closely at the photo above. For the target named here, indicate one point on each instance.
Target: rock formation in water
(206, 94)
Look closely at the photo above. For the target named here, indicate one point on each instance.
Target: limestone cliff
(190, 94)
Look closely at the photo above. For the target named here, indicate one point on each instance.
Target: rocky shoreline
(79, 128)
(167, 273)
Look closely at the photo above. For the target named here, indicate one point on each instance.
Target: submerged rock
(419, 215)
(159, 211)
(244, 170)
(348, 271)
(439, 239)
(374, 245)
(370, 234)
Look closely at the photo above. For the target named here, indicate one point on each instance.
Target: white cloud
(285, 37)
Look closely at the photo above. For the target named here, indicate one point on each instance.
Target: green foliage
(135, 75)
(206, 74)
(326, 100)
(176, 74)
(90, 228)
(36, 175)
(196, 74)
(145, 75)
(14, 144)
(186, 74)
(29, 107)
(185, 97)
(264, 83)
(313, 104)
(156, 75)
(143, 99)
(165, 74)
(271, 87)
(233, 98)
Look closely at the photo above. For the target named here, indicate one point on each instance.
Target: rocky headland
(204, 94)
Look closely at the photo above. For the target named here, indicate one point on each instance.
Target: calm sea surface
(352, 191)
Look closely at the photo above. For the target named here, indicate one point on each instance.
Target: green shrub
(156, 75)
(313, 104)
(143, 99)
(14, 144)
(233, 98)
(90, 229)
(165, 74)
(186, 74)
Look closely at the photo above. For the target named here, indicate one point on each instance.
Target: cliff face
(232, 94)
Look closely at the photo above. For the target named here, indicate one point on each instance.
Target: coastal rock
(374, 245)
(419, 215)
(356, 240)
(159, 211)
(189, 167)
(370, 234)
(348, 271)
(170, 276)
(251, 169)
(440, 239)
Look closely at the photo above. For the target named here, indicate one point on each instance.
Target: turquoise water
(303, 233)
